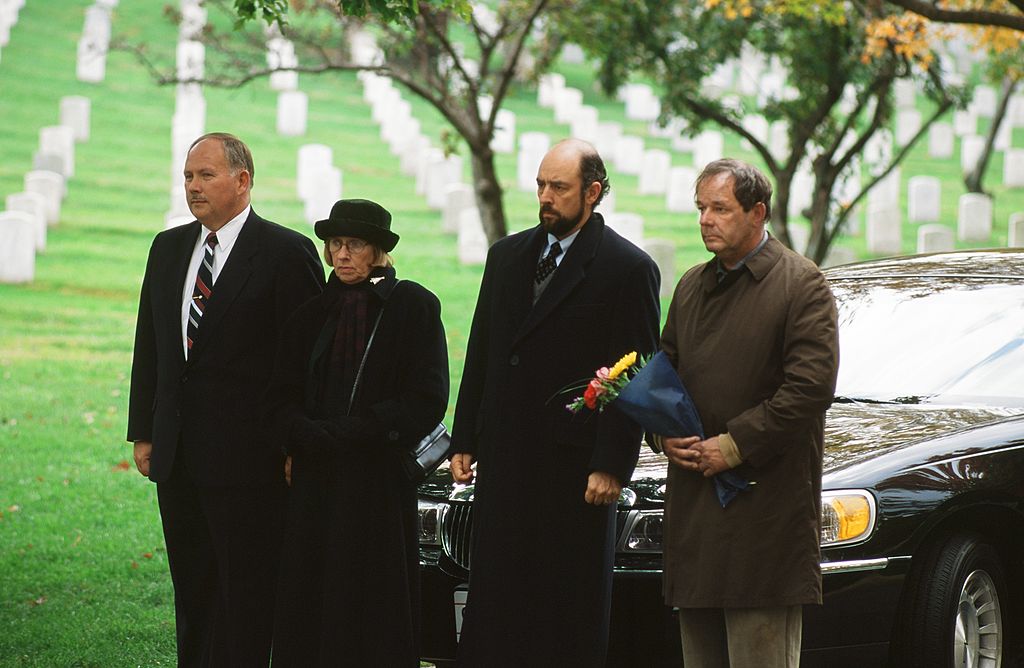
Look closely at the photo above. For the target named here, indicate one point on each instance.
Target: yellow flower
(627, 361)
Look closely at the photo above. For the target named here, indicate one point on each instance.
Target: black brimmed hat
(358, 218)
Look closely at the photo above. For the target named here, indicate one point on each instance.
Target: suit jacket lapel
(233, 277)
(570, 272)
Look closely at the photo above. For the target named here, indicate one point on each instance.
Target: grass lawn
(83, 572)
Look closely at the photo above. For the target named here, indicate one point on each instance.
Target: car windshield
(934, 340)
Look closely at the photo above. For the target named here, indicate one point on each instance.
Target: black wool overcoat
(349, 591)
(540, 581)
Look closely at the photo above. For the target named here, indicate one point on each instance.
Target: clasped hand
(693, 454)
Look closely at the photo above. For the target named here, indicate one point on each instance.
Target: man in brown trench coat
(753, 336)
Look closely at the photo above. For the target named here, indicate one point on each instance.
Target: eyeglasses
(353, 245)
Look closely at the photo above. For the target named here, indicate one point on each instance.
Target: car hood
(855, 432)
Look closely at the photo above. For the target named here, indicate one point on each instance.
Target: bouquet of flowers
(651, 393)
(604, 388)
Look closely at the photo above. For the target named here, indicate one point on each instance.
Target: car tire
(955, 607)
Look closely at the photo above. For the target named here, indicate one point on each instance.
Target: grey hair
(236, 153)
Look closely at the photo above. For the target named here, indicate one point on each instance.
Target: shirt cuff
(730, 451)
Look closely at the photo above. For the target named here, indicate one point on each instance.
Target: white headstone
(325, 190)
(583, 123)
(432, 161)
(965, 123)
(801, 191)
(629, 154)
(629, 225)
(472, 242)
(905, 92)
(191, 59)
(413, 154)
(778, 139)
(974, 218)
(984, 101)
(679, 195)
(567, 101)
(1004, 135)
(457, 198)
(573, 54)
(292, 107)
(1015, 231)
(608, 133)
(312, 158)
(51, 186)
(1015, 110)
(91, 66)
(97, 23)
(934, 239)
(709, 146)
(971, 148)
(641, 103)
(663, 252)
(607, 204)
(193, 20)
(532, 148)
(908, 123)
(878, 150)
(940, 140)
(1013, 168)
(177, 220)
(547, 87)
(34, 205)
(59, 140)
(438, 180)
(923, 199)
(654, 172)
(884, 234)
(17, 247)
(504, 138)
(74, 113)
(838, 255)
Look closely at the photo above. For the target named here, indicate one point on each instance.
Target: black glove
(310, 438)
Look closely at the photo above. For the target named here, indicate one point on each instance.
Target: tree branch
(968, 16)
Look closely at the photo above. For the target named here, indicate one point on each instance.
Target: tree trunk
(780, 208)
(819, 243)
(488, 191)
(973, 179)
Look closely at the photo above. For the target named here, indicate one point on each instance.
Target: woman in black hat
(349, 590)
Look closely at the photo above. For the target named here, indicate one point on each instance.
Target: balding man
(214, 297)
(556, 302)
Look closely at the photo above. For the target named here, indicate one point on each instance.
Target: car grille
(456, 532)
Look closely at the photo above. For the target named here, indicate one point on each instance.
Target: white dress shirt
(226, 237)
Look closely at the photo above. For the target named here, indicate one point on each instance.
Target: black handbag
(432, 449)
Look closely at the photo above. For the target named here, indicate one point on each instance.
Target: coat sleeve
(810, 365)
(421, 399)
(468, 417)
(635, 321)
(144, 364)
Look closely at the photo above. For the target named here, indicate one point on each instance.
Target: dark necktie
(202, 290)
(547, 265)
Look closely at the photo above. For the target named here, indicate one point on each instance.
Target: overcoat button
(514, 360)
(393, 435)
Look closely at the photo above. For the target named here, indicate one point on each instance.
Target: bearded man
(556, 302)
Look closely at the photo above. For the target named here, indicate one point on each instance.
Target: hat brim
(351, 227)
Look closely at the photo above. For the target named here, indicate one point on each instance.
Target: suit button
(514, 360)
(184, 379)
(392, 435)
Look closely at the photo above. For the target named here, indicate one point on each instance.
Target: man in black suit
(556, 302)
(214, 298)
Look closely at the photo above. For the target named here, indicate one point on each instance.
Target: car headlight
(643, 531)
(430, 521)
(847, 516)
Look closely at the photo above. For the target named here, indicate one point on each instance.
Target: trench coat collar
(233, 277)
(569, 274)
(758, 266)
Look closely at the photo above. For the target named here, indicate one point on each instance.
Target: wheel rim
(978, 638)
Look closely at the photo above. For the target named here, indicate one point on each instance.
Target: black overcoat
(349, 591)
(540, 582)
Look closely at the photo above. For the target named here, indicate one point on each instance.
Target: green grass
(83, 574)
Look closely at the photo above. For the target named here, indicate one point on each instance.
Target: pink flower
(602, 373)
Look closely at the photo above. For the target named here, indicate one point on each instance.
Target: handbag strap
(366, 352)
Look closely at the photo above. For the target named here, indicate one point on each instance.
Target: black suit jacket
(208, 408)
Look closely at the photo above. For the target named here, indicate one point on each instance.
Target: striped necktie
(202, 290)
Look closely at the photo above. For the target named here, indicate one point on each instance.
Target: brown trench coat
(759, 354)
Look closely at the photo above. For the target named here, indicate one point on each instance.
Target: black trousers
(223, 548)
